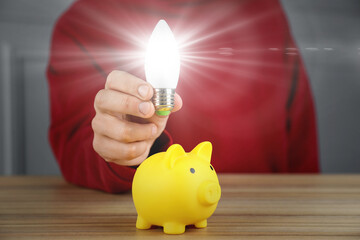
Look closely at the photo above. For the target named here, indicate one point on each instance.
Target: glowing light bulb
(162, 67)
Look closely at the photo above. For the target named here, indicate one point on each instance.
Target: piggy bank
(174, 189)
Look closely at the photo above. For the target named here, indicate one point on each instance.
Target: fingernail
(144, 108)
(154, 130)
(143, 91)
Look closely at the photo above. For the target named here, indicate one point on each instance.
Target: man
(242, 86)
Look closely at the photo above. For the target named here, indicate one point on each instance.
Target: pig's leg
(174, 228)
(201, 224)
(141, 223)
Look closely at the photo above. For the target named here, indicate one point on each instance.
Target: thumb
(177, 103)
(160, 121)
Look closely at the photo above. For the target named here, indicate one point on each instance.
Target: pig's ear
(204, 150)
(173, 153)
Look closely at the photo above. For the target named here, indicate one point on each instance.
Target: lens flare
(122, 44)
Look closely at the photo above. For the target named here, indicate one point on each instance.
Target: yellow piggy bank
(174, 189)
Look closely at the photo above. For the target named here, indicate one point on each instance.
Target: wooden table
(251, 207)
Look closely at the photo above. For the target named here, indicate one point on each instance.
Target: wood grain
(251, 207)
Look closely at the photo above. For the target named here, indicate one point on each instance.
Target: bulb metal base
(163, 99)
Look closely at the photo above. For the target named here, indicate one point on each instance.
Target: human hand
(125, 125)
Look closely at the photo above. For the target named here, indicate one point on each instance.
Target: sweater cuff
(162, 143)
(123, 173)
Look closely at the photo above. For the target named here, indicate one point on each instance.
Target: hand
(125, 125)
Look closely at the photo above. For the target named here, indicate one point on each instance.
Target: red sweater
(242, 81)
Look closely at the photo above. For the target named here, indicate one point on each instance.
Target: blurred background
(327, 33)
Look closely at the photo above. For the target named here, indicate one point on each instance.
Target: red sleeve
(301, 121)
(74, 78)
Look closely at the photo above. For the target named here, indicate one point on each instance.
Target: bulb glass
(162, 62)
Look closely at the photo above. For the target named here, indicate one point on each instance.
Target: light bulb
(162, 67)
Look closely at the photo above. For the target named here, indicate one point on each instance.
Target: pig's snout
(209, 193)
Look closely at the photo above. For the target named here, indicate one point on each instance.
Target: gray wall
(327, 33)
(25, 30)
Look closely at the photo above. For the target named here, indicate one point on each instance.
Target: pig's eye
(192, 170)
(212, 169)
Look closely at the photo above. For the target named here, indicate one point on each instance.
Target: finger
(133, 162)
(161, 121)
(122, 131)
(177, 103)
(115, 151)
(177, 106)
(127, 83)
(117, 102)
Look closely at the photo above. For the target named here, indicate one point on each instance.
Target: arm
(74, 79)
(78, 83)
(301, 122)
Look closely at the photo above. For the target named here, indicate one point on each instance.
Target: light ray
(197, 52)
